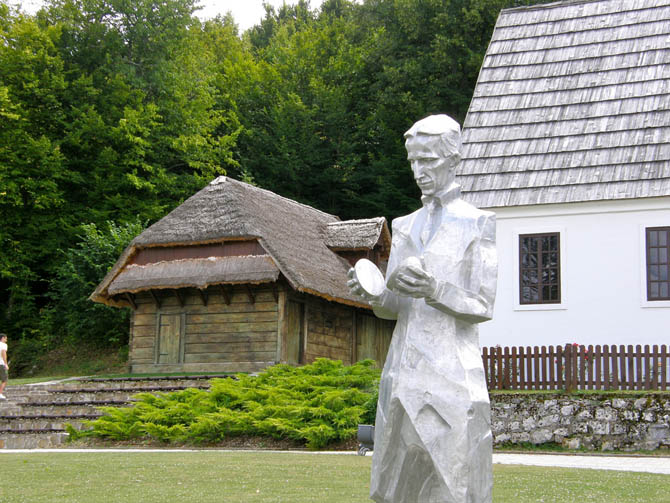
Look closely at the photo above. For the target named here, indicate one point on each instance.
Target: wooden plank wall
(373, 337)
(143, 332)
(329, 331)
(240, 336)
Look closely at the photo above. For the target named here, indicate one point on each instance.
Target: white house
(567, 139)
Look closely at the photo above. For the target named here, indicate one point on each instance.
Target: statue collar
(444, 197)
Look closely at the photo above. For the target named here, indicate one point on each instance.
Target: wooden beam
(275, 292)
(226, 295)
(252, 299)
(130, 298)
(154, 295)
(203, 296)
(179, 297)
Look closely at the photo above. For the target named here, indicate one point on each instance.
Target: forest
(112, 112)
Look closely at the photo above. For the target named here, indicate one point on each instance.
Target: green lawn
(246, 477)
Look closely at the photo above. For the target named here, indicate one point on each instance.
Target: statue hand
(356, 288)
(414, 281)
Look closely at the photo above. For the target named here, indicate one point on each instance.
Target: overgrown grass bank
(28, 362)
(247, 477)
(314, 405)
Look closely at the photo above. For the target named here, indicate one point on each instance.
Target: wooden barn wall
(329, 331)
(373, 337)
(338, 332)
(218, 337)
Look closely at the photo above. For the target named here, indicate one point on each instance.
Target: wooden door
(295, 344)
(169, 338)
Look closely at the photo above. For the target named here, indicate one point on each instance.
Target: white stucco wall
(602, 270)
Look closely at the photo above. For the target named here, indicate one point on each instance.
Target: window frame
(540, 286)
(648, 264)
(515, 288)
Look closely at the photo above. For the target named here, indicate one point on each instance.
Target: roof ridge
(357, 220)
(222, 179)
(552, 5)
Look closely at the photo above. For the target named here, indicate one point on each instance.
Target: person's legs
(3, 381)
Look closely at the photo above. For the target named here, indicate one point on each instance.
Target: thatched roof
(293, 237)
(356, 234)
(572, 104)
(195, 273)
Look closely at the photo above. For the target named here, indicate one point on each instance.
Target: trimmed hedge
(316, 405)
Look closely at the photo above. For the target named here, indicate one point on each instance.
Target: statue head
(434, 150)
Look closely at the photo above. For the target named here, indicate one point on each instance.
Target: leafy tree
(112, 110)
(109, 112)
(31, 164)
(72, 318)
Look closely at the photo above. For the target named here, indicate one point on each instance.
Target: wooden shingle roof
(572, 104)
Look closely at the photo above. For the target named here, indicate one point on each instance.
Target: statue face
(432, 172)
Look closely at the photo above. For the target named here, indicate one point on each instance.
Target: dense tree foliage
(114, 111)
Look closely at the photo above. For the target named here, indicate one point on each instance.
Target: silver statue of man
(433, 440)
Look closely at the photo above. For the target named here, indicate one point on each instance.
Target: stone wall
(591, 421)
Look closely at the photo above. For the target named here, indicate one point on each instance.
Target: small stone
(618, 429)
(581, 428)
(619, 403)
(585, 414)
(658, 432)
(567, 410)
(529, 424)
(649, 417)
(607, 446)
(631, 415)
(561, 432)
(599, 427)
(605, 414)
(549, 420)
(541, 436)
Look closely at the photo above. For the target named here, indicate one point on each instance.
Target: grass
(32, 380)
(71, 361)
(246, 477)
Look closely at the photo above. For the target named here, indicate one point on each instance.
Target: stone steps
(45, 422)
(23, 440)
(34, 416)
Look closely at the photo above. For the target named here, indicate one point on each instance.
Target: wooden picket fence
(572, 367)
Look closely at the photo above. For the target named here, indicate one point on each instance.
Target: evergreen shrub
(315, 405)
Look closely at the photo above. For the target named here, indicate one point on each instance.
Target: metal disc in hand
(369, 277)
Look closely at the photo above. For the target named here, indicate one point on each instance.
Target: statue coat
(433, 438)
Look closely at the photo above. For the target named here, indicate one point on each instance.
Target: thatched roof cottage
(567, 139)
(238, 278)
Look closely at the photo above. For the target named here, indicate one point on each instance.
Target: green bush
(24, 356)
(72, 318)
(315, 405)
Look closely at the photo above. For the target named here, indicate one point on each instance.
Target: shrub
(315, 405)
(24, 356)
(72, 318)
